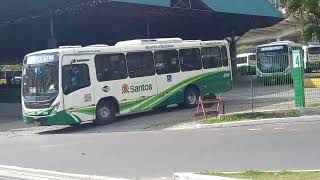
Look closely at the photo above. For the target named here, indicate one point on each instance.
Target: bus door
(77, 88)
(141, 84)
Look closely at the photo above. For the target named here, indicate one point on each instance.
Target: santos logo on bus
(133, 89)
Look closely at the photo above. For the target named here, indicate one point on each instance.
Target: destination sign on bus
(314, 57)
(272, 48)
(42, 58)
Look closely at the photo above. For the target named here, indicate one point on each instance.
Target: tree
(16, 67)
(308, 12)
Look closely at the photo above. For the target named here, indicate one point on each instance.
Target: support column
(233, 52)
(298, 71)
(52, 42)
(148, 30)
(233, 56)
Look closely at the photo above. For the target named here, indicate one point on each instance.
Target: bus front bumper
(59, 118)
(275, 78)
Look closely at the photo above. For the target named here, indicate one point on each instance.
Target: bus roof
(289, 43)
(245, 54)
(314, 45)
(135, 45)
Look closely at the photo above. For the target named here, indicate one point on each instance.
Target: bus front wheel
(105, 113)
(191, 96)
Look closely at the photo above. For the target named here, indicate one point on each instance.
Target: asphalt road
(155, 154)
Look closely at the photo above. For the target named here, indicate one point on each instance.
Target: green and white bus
(246, 63)
(274, 62)
(312, 58)
(70, 85)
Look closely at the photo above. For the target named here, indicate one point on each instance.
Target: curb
(302, 119)
(191, 176)
(261, 122)
(14, 172)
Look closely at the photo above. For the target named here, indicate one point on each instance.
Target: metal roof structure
(288, 28)
(248, 7)
(25, 25)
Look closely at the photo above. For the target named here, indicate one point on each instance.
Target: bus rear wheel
(105, 113)
(191, 96)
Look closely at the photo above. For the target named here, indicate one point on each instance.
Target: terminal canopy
(25, 25)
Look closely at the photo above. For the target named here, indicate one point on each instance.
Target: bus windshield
(41, 78)
(272, 59)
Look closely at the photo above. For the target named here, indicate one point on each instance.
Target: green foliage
(246, 49)
(16, 67)
(308, 11)
(261, 175)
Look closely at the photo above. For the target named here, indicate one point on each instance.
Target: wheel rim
(192, 97)
(104, 112)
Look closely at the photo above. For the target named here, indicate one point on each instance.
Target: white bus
(312, 58)
(71, 85)
(246, 63)
(275, 62)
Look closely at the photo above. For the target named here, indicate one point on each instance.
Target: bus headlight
(55, 108)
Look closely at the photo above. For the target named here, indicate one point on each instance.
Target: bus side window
(167, 61)
(211, 57)
(140, 64)
(224, 56)
(242, 60)
(190, 59)
(75, 77)
(111, 67)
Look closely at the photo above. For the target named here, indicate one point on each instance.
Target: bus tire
(105, 113)
(191, 95)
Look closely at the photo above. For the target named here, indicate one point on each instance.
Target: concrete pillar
(233, 52)
(52, 42)
(148, 30)
(233, 55)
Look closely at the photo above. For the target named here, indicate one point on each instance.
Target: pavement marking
(255, 129)
(279, 128)
(14, 172)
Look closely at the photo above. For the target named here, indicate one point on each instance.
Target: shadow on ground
(145, 121)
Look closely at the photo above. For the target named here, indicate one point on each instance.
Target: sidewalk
(197, 125)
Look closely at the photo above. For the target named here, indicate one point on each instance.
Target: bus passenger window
(224, 56)
(190, 59)
(167, 61)
(75, 77)
(140, 64)
(242, 60)
(211, 57)
(111, 67)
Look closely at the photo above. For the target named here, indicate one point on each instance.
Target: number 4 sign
(297, 60)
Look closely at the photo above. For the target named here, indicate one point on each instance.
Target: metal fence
(250, 94)
(273, 87)
(312, 80)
